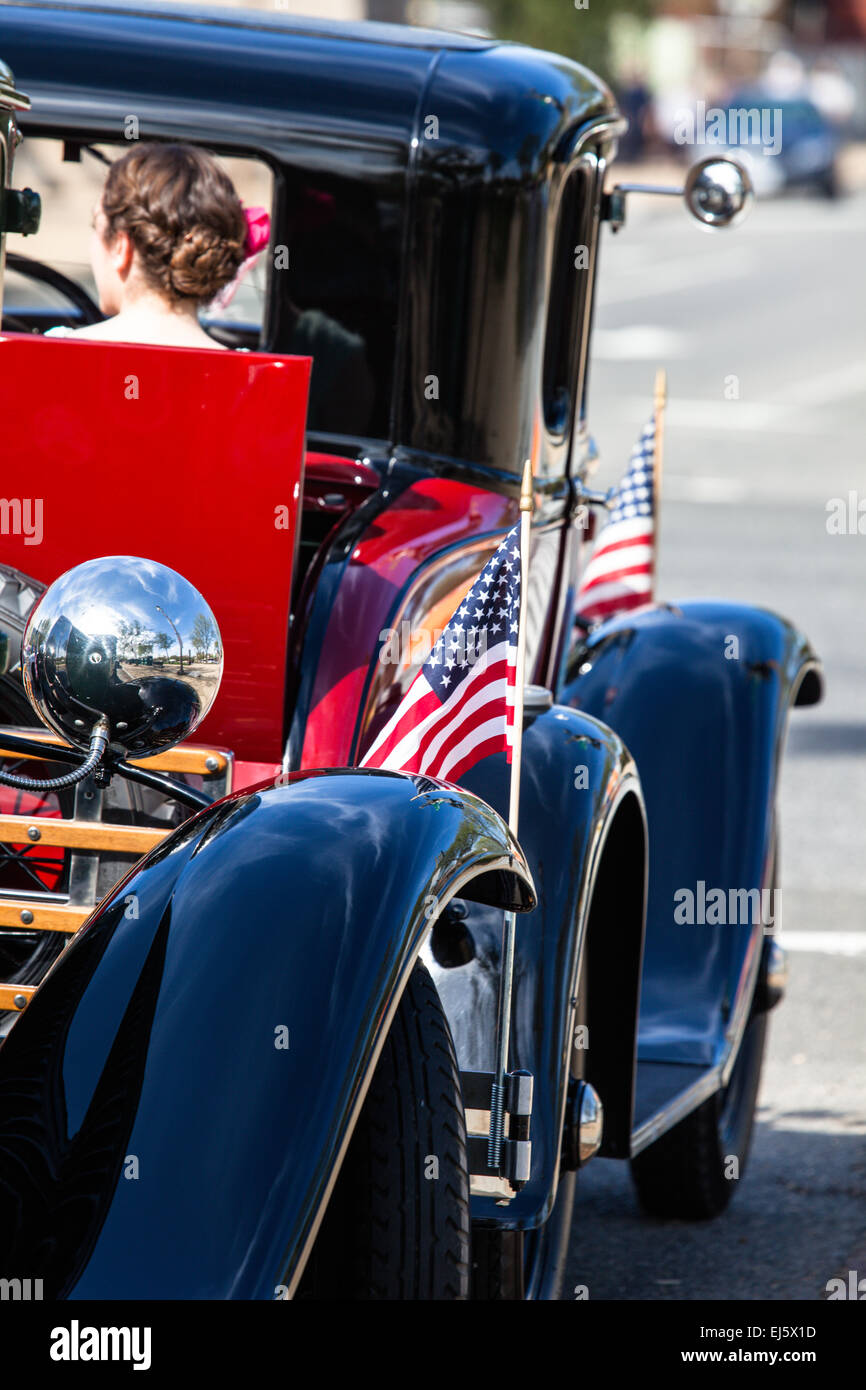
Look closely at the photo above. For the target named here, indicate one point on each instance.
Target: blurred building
(707, 49)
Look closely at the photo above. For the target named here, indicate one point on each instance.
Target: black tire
(829, 184)
(497, 1265)
(393, 1229)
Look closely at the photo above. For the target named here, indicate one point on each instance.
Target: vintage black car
(263, 1065)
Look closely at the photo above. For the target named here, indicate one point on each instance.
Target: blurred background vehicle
(808, 144)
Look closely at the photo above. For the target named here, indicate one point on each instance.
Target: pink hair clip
(258, 230)
(258, 235)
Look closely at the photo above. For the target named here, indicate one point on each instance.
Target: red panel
(181, 455)
(246, 774)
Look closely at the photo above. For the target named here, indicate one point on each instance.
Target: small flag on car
(460, 706)
(619, 573)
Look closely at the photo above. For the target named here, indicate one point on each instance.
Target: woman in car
(169, 233)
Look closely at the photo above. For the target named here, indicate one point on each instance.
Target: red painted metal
(45, 862)
(339, 468)
(247, 774)
(191, 457)
(430, 516)
(334, 484)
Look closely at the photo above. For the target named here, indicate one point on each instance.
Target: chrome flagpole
(509, 925)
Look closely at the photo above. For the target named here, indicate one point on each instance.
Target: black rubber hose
(98, 745)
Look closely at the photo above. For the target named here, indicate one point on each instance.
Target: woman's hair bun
(202, 263)
(183, 216)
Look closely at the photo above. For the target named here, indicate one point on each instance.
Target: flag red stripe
(427, 705)
(629, 599)
(481, 750)
(611, 576)
(406, 723)
(491, 674)
(604, 549)
(460, 731)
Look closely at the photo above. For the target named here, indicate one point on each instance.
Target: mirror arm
(667, 190)
(717, 192)
(613, 201)
(62, 753)
(55, 753)
(159, 781)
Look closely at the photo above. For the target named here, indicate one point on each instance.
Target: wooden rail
(185, 758)
(32, 914)
(78, 834)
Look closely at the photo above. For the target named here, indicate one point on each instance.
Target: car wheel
(829, 184)
(397, 1224)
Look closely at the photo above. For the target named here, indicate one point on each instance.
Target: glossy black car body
(465, 175)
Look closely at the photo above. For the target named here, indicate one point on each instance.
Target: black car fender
(701, 693)
(176, 1100)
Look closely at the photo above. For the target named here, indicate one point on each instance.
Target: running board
(665, 1093)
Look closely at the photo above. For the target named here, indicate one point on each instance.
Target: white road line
(826, 386)
(825, 943)
(749, 417)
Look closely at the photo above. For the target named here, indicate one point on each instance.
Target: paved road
(763, 332)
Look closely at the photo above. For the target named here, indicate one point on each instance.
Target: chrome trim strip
(46, 899)
(10, 99)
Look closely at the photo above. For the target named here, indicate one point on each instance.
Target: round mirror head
(128, 639)
(718, 192)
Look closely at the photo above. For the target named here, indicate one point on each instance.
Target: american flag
(460, 706)
(619, 574)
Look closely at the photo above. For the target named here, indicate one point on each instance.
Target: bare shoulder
(90, 330)
(118, 330)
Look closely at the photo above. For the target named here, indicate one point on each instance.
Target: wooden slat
(9, 992)
(79, 834)
(185, 759)
(49, 917)
(190, 758)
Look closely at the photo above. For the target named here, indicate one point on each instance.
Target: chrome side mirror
(126, 641)
(718, 192)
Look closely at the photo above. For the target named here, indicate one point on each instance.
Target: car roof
(364, 31)
(283, 84)
(183, 69)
